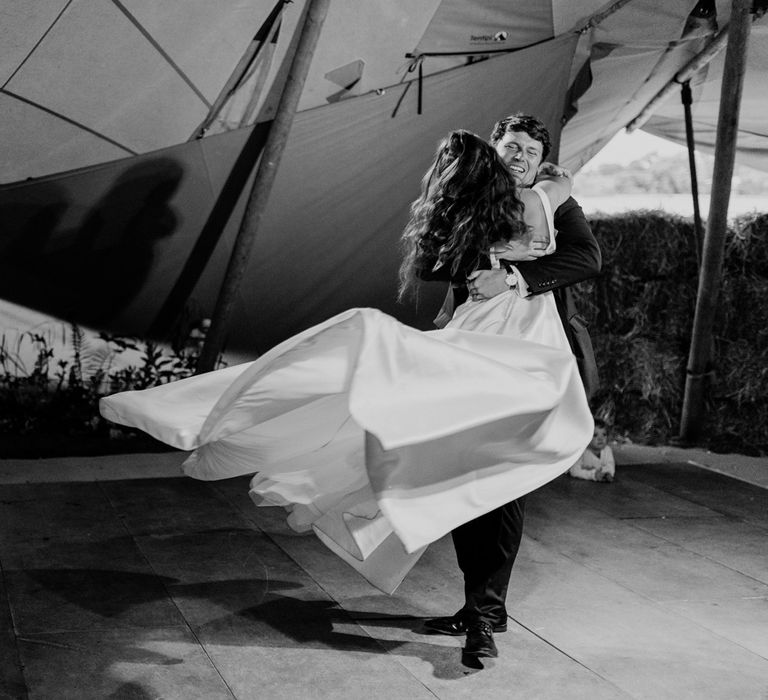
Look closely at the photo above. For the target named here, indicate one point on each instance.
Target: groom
(486, 547)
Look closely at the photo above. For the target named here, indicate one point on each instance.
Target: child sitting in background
(596, 464)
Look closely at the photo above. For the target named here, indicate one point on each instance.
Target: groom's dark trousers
(486, 548)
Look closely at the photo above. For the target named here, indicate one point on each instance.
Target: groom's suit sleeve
(577, 257)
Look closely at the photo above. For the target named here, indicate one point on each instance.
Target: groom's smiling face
(522, 155)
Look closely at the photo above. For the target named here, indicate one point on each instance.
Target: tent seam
(39, 41)
(78, 124)
(177, 69)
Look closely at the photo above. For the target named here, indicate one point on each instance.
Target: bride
(380, 438)
(469, 214)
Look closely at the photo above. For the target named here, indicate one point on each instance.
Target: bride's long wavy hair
(468, 201)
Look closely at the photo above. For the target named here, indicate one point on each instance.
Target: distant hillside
(663, 174)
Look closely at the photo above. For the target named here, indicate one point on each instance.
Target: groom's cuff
(522, 286)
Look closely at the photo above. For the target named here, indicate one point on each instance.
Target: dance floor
(136, 583)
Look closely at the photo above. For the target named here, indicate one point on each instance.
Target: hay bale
(641, 311)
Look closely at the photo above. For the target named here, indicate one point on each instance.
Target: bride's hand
(548, 169)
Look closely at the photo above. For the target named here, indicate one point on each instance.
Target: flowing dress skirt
(378, 437)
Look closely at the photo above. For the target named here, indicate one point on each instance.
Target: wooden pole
(698, 235)
(699, 359)
(714, 47)
(264, 35)
(316, 12)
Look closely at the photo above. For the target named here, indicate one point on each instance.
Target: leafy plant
(60, 397)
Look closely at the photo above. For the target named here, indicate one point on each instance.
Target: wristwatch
(511, 279)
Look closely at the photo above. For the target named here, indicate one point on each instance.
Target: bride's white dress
(381, 438)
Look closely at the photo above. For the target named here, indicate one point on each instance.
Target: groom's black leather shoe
(455, 625)
(480, 641)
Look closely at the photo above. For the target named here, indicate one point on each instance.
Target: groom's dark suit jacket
(577, 259)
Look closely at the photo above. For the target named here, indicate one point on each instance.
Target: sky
(624, 148)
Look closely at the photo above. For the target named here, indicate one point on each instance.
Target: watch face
(511, 280)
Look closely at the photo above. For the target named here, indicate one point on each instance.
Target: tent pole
(690, 69)
(261, 37)
(685, 95)
(699, 358)
(600, 16)
(316, 12)
(210, 234)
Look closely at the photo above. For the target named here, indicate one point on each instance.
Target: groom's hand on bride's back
(486, 284)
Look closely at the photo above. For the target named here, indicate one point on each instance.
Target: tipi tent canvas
(130, 128)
